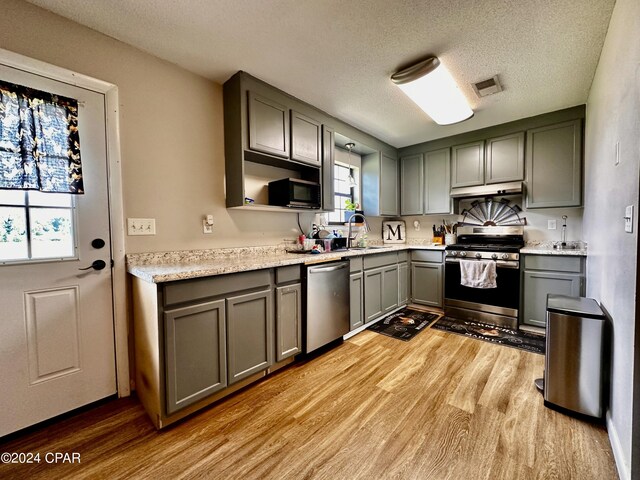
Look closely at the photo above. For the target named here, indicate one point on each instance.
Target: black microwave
(294, 193)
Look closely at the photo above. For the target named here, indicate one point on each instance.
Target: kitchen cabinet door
(411, 185)
(249, 334)
(373, 293)
(268, 126)
(390, 288)
(357, 294)
(403, 283)
(467, 164)
(195, 353)
(388, 185)
(306, 134)
(426, 283)
(328, 163)
(437, 182)
(504, 159)
(536, 287)
(288, 321)
(554, 166)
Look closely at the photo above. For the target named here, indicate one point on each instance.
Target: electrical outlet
(628, 219)
(141, 226)
(206, 228)
(551, 225)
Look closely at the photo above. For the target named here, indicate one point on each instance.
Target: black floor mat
(404, 324)
(491, 333)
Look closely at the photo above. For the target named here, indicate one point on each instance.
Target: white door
(56, 320)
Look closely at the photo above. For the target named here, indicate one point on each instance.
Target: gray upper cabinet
(328, 163)
(288, 321)
(380, 184)
(467, 164)
(268, 126)
(388, 184)
(437, 181)
(249, 334)
(195, 353)
(554, 165)
(504, 159)
(412, 187)
(306, 135)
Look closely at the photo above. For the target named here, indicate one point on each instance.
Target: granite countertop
(181, 265)
(546, 248)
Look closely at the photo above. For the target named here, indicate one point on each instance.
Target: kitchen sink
(373, 247)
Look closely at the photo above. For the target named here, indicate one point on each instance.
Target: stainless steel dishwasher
(327, 303)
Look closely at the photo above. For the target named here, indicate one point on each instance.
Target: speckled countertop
(546, 248)
(181, 265)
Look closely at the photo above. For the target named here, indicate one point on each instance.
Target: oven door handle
(499, 263)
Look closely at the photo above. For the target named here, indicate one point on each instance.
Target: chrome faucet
(366, 228)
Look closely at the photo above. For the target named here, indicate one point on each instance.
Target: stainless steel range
(486, 241)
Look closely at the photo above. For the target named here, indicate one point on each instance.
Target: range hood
(495, 189)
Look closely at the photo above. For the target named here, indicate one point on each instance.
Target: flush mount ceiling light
(430, 85)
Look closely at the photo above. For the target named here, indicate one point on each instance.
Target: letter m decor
(394, 232)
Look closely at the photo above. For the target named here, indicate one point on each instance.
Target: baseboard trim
(616, 447)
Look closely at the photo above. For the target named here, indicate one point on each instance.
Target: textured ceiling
(338, 55)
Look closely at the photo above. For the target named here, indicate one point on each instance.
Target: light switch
(551, 225)
(141, 226)
(628, 219)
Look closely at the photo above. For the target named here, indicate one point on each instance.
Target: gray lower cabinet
(373, 294)
(390, 288)
(544, 274)
(467, 164)
(554, 165)
(356, 291)
(426, 283)
(195, 353)
(249, 334)
(268, 126)
(403, 283)
(288, 321)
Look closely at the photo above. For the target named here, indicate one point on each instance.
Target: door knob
(96, 265)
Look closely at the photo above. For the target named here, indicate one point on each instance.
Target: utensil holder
(450, 239)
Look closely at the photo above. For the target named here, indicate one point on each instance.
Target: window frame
(353, 195)
(27, 206)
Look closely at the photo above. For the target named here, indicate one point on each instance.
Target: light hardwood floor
(440, 406)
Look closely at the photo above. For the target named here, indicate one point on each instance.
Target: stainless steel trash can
(574, 359)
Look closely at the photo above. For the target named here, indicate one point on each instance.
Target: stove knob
(494, 256)
(478, 255)
(453, 254)
(463, 254)
(504, 256)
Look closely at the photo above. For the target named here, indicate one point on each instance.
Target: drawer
(292, 273)
(198, 288)
(403, 256)
(434, 256)
(380, 260)
(554, 263)
(355, 264)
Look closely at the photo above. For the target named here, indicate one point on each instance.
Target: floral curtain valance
(39, 141)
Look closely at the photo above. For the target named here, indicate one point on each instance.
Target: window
(343, 192)
(36, 226)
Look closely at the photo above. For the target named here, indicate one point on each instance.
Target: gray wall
(613, 115)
